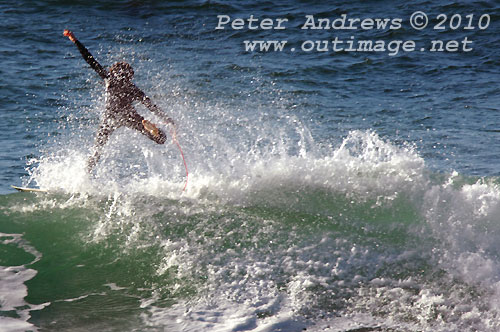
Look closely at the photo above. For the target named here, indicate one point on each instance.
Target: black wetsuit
(121, 93)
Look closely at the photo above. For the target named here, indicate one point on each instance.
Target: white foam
(464, 218)
(13, 289)
(244, 291)
(363, 165)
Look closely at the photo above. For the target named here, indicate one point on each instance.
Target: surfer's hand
(70, 35)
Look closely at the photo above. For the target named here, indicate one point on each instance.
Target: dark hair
(122, 70)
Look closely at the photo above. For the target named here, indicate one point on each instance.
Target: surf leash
(174, 138)
(155, 132)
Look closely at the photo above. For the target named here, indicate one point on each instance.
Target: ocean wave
(294, 240)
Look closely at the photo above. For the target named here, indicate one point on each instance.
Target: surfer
(121, 93)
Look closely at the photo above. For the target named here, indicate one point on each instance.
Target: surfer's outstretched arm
(87, 55)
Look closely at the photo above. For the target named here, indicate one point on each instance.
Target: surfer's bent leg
(134, 121)
(105, 130)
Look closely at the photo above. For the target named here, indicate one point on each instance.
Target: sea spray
(363, 231)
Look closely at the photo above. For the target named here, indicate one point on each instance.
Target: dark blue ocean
(343, 177)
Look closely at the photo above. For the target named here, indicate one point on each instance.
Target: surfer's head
(122, 71)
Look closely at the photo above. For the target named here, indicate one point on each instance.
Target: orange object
(69, 34)
(151, 128)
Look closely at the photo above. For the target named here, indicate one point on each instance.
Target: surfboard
(29, 190)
